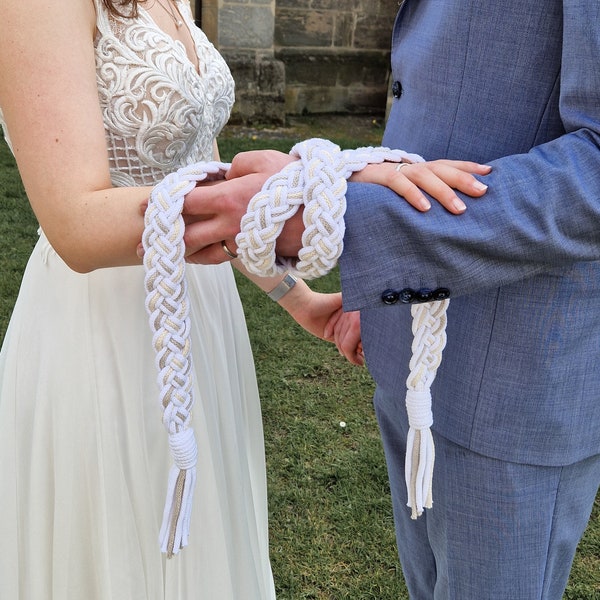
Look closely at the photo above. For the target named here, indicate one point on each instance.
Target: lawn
(330, 513)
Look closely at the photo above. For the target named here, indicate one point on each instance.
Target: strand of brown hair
(116, 7)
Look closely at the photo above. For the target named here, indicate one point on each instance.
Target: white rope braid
(168, 308)
(319, 181)
(429, 339)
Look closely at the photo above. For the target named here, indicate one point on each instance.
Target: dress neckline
(194, 62)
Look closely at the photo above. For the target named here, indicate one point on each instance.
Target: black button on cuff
(424, 295)
(407, 295)
(390, 297)
(441, 293)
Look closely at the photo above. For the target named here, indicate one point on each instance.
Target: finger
(348, 340)
(208, 255)
(359, 356)
(229, 197)
(394, 178)
(466, 165)
(262, 162)
(353, 355)
(459, 179)
(202, 234)
(244, 163)
(353, 352)
(329, 329)
(437, 183)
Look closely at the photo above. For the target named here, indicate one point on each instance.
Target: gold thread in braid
(413, 478)
(178, 499)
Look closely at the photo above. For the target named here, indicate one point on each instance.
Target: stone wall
(243, 31)
(303, 56)
(335, 52)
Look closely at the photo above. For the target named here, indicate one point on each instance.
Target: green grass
(330, 512)
(17, 234)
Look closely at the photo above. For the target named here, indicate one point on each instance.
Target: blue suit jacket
(515, 84)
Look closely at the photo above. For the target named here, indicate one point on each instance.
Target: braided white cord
(319, 181)
(168, 309)
(322, 191)
(429, 339)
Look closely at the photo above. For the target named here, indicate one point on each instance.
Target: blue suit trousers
(497, 531)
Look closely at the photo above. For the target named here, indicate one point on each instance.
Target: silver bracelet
(282, 288)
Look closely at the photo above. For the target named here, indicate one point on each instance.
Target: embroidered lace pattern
(159, 112)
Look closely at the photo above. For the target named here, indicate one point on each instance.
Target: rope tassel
(174, 532)
(429, 339)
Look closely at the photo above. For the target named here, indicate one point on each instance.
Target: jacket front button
(390, 297)
(396, 89)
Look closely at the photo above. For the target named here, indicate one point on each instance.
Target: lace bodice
(159, 112)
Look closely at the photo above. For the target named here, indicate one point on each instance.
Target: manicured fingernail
(424, 204)
(459, 205)
(480, 187)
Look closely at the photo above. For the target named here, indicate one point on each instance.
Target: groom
(516, 401)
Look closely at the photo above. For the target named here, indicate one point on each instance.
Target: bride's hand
(438, 179)
(322, 315)
(345, 331)
(315, 312)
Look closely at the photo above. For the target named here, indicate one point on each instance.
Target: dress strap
(102, 18)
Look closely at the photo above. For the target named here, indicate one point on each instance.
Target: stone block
(303, 28)
(246, 27)
(259, 89)
(320, 81)
(373, 32)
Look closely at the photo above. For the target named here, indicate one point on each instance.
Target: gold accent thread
(177, 501)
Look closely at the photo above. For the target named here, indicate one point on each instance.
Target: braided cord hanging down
(168, 309)
(319, 181)
(429, 339)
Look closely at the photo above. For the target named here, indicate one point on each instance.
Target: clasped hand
(212, 214)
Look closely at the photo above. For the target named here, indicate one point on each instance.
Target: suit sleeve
(541, 212)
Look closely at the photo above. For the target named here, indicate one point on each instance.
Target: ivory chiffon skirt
(84, 457)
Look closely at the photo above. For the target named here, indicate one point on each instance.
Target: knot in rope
(184, 448)
(418, 407)
(318, 180)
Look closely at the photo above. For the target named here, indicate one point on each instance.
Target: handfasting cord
(318, 180)
(168, 308)
(429, 339)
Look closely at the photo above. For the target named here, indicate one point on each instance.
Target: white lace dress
(84, 457)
